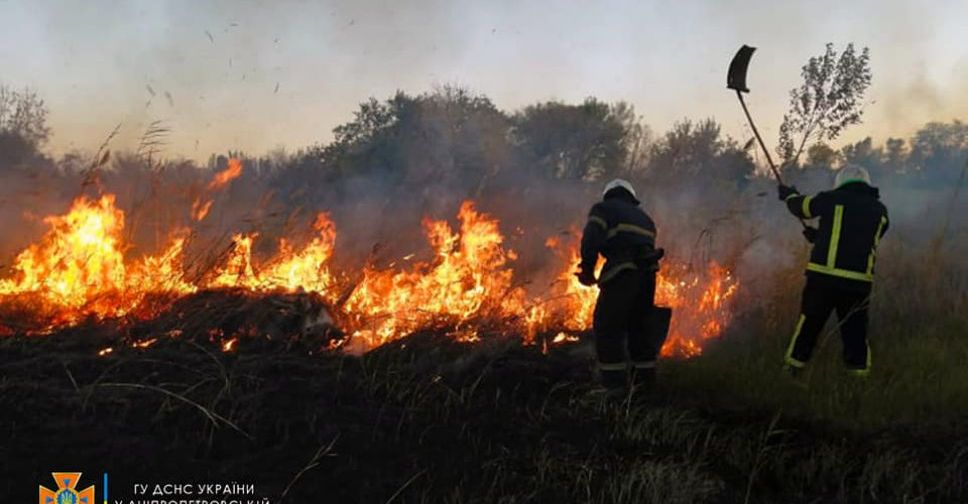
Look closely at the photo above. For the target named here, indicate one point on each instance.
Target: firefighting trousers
(621, 327)
(820, 297)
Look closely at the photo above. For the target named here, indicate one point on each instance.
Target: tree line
(454, 137)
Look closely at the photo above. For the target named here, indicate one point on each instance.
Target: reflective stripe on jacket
(852, 222)
(619, 230)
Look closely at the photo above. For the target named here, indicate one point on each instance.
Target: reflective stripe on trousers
(612, 366)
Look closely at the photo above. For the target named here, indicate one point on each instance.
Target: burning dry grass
(79, 271)
(228, 372)
(427, 418)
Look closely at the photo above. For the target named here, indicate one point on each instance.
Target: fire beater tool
(659, 318)
(658, 322)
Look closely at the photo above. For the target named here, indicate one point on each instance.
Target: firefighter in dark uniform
(624, 234)
(841, 267)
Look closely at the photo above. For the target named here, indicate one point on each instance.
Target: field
(428, 419)
(170, 322)
(327, 251)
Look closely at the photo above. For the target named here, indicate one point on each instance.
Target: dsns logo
(66, 493)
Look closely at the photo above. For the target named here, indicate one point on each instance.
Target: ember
(468, 287)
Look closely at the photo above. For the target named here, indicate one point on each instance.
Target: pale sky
(93, 61)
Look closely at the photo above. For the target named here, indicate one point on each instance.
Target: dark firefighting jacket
(852, 222)
(621, 232)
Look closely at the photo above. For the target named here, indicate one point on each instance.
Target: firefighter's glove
(786, 191)
(810, 233)
(586, 277)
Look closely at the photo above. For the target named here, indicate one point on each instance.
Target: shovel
(736, 80)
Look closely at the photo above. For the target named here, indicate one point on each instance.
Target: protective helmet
(851, 173)
(624, 184)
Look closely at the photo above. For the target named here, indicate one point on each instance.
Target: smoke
(388, 182)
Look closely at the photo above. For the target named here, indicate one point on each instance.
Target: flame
(229, 344)
(699, 297)
(306, 269)
(466, 286)
(230, 173)
(290, 270)
(145, 343)
(703, 294)
(77, 269)
(468, 278)
(237, 270)
(77, 260)
(160, 274)
(201, 207)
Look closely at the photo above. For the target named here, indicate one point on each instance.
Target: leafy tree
(863, 153)
(453, 136)
(24, 114)
(639, 147)
(821, 155)
(698, 150)
(23, 125)
(829, 100)
(939, 151)
(364, 142)
(895, 155)
(589, 141)
(448, 137)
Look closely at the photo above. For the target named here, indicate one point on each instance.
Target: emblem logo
(66, 492)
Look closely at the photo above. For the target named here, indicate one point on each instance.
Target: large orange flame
(468, 285)
(78, 263)
(469, 278)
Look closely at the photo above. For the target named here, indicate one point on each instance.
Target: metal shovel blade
(736, 77)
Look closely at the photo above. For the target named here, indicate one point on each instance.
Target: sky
(256, 76)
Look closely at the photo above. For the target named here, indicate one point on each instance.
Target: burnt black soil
(424, 419)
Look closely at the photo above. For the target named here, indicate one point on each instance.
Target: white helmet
(851, 173)
(624, 184)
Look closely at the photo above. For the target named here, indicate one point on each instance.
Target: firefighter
(841, 267)
(624, 234)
